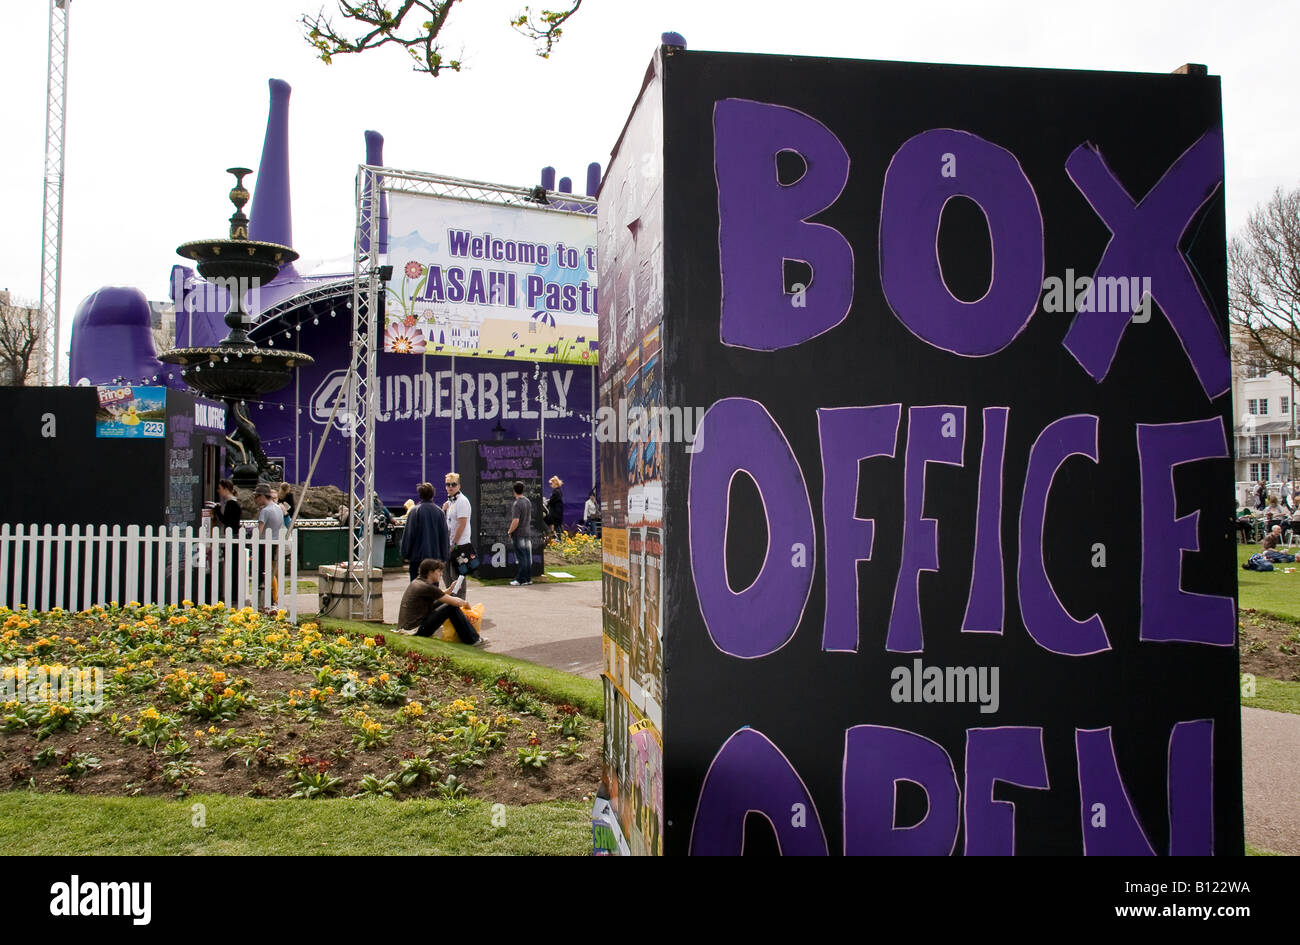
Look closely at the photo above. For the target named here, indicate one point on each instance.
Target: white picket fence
(44, 566)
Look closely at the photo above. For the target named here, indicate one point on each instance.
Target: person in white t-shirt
(460, 530)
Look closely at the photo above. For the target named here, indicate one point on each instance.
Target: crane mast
(56, 97)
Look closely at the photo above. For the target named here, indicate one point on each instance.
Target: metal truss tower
(369, 273)
(363, 387)
(56, 98)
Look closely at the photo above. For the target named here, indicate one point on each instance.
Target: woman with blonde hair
(554, 517)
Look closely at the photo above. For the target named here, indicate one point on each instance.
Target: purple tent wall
(406, 415)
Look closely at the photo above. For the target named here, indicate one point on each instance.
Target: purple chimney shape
(566, 185)
(548, 178)
(593, 178)
(375, 158)
(271, 216)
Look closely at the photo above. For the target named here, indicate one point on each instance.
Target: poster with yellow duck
(131, 412)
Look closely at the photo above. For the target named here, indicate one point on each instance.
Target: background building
(1263, 421)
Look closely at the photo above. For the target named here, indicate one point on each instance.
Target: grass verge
(1276, 695)
(1260, 851)
(61, 825)
(580, 572)
(552, 684)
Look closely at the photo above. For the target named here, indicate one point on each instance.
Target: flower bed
(210, 700)
(575, 548)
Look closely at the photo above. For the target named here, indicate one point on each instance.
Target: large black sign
(947, 567)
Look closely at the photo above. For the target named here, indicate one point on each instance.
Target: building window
(1286, 405)
(1263, 443)
(1252, 448)
(1263, 406)
(1252, 407)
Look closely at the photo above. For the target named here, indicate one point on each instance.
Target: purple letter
(749, 773)
(764, 616)
(934, 434)
(915, 194)
(1013, 755)
(1169, 612)
(1191, 789)
(1110, 825)
(1145, 244)
(876, 758)
(761, 224)
(1047, 621)
(848, 436)
(986, 605)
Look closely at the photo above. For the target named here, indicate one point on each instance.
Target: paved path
(1270, 756)
(558, 625)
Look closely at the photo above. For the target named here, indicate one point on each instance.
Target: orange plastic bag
(474, 614)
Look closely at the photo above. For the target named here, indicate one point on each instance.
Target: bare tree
(383, 23)
(1264, 285)
(20, 342)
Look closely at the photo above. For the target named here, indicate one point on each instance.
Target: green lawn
(580, 572)
(1274, 694)
(1274, 591)
(63, 825)
(552, 684)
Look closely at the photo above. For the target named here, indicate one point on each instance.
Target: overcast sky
(163, 95)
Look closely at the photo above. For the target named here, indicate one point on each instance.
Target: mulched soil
(1269, 647)
(129, 769)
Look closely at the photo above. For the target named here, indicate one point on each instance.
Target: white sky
(163, 95)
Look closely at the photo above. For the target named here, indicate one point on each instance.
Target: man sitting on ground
(1273, 538)
(425, 605)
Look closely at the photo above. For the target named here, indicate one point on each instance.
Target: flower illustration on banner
(403, 339)
(409, 321)
(414, 270)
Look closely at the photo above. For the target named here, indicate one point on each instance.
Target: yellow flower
(368, 641)
(227, 693)
(198, 733)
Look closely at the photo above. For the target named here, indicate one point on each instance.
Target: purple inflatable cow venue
(428, 404)
(942, 564)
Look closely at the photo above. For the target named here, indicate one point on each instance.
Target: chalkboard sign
(488, 472)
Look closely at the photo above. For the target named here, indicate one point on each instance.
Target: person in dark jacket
(226, 513)
(426, 532)
(555, 507)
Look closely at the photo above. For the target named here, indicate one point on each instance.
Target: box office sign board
(945, 567)
(497, 281)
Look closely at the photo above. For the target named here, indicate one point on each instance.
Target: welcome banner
(483, 279)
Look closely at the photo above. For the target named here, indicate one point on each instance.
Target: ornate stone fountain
(236, 369)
